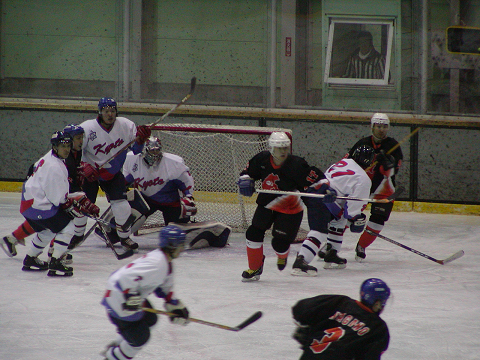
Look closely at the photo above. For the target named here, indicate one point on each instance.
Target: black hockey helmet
(363, 156)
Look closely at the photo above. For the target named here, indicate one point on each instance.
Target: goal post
(215, 155)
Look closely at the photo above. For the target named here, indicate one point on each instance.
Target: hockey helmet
(379, 118)
(73, 129)
(172, 240)
(60, 137)
(363, 156)
(152, 151)
(106, 102)
(278, 139)
(373, 290)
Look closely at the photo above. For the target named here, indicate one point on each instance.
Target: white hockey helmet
(278, 139)
(379, 118)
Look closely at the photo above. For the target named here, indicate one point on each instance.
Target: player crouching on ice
(163, 183)
(129, 287)
(49, 208)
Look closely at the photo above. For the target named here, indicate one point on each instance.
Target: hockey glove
(78, 205)
(323, 187)
(246, 185)
(386, 160)
(143, 133)
(179, 311)
(87, 171)
(133, 302)
(188, 207)
(357, 223)
(302, 334)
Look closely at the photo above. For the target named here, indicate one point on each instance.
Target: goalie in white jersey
(129, 287)
(104, 154)
(167, 186)
(347, 178)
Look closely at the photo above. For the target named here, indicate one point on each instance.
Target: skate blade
(359, 259)
(253, 278)
(334, 266)
(27, 268)
(54, 273)
(9, 254)
(299, 272)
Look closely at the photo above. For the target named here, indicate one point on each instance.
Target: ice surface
(434, 312)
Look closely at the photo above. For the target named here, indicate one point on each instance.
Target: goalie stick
(254, 317)
(455, 256)
(193, 83)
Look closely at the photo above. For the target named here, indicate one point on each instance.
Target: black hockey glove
(387, 160)
(179, 311)
(133, 302)
(302, 334)
(246, 185)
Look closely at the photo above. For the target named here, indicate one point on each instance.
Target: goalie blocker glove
(357, 223)
(78, 205)
(246, 185)
(188, 207)
(323, 187)
(179, 311)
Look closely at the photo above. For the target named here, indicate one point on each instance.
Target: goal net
(215, 155)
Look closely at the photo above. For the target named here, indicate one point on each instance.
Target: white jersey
(348, 179)
(99, 145)
(145, 275)
(162, 181)
(45, 189)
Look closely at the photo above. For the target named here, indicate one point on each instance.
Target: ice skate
(128, 244)
(360, 253)
(301, 267)
(76, 241)
(31, 263)
(321, 251)
(8, 245)
(112, 235)
(281, 263)
(56, 268)
(66, 258)
(253, 275)
(332, 260)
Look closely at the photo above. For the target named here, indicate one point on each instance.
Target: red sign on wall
(288, 46)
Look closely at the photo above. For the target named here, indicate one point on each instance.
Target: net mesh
(215, 156)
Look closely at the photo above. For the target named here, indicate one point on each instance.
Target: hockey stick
(239, 327)
(455, 256)
(278, 192)
(102, 217)
(193, 83)
(119, 256)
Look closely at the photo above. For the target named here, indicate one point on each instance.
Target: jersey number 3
(331, 335)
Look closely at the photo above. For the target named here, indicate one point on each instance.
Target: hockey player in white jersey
(127, 291)
(104, 155)
(348, 178)
(49, 208)
(166, 185)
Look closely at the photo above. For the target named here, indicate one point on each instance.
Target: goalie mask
(152, 151)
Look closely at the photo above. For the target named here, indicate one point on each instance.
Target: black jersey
(294, 174)
(375, 173)
(341, 328)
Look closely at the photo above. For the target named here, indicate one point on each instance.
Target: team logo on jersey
(92, 136)
(135, 167)
(144, 185)
(101, 148)
(270, 182)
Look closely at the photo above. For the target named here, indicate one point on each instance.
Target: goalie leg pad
(205, 233)
(137, 202)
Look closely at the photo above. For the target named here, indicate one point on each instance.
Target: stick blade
(455, 256)
(249, 321)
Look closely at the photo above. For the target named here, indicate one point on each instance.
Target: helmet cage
(152, 151)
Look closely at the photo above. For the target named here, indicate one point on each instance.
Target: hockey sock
(254, 254)
(309, 248)
(23, 231)
(366, 239)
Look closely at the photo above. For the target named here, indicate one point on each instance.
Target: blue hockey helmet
(73, 129)
(373, 290)
(363, 156)
(106, 102)
(60, 137)
(172, 239)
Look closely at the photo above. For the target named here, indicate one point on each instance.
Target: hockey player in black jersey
(336, 327)
(278, 170)
(387, 164)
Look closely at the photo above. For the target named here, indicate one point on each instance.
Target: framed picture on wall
(359, 51)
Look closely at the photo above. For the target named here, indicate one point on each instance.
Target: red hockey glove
(188, 207)
(87, 171)
(78, 205)
(143, 133)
